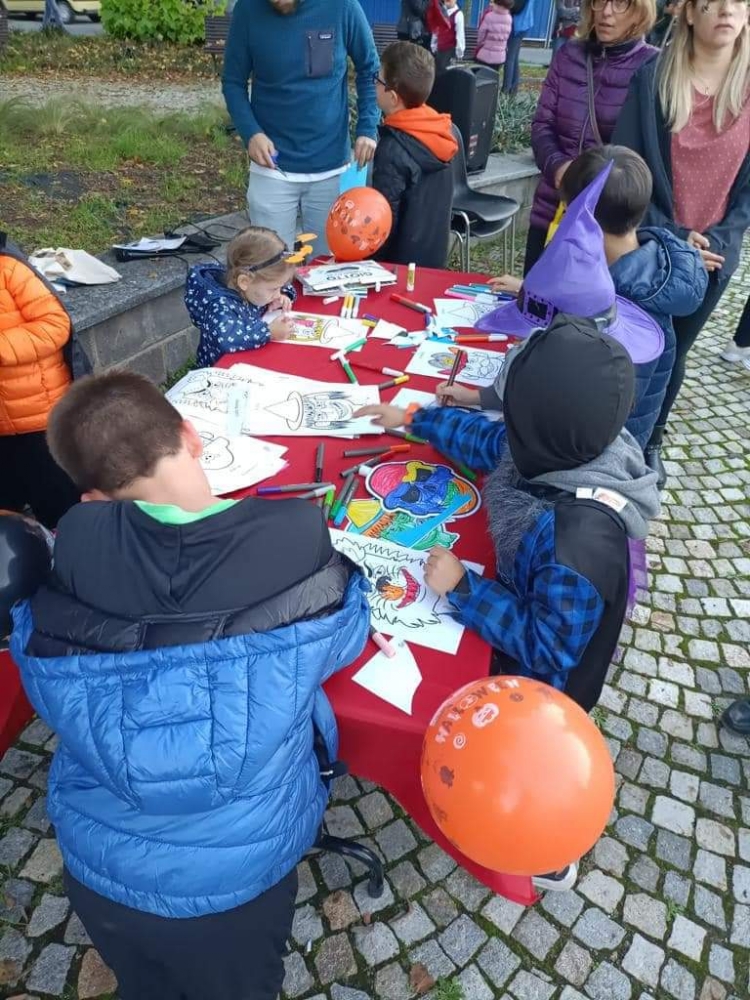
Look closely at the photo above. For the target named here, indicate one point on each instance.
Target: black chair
(475, 215)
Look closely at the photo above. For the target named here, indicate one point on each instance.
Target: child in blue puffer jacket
(229, 305)
(179, 651)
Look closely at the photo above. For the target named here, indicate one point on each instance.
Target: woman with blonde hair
(582, 96)
(688, 115)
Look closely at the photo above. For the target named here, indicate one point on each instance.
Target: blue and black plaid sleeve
(465, 437)
(547, 629)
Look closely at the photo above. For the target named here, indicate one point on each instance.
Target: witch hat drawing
(572, 277)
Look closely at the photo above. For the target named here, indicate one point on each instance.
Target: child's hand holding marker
(281, 328)
(456, 395)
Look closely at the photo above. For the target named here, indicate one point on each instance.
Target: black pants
(31, 477)
(742, 333)
(534, 247)
(424, 40)
(236, 955)
(443, 60)
(686, 330)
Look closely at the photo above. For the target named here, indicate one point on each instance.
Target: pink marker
(382, 643)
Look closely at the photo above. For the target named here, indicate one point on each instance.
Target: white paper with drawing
(331, 332)
(461, 312)
(401, 603)
(310, 409)
(436, 361)
(206, 390)
(234, 462)
(394, 679)
(404, 397)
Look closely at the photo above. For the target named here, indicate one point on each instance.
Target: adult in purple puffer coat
(609, 49)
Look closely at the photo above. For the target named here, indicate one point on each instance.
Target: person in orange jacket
(34, 331)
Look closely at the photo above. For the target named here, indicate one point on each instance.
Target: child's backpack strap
(73, 353)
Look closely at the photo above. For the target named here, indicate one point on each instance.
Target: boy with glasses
(412, 161)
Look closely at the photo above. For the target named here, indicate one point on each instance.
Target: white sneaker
(736, 354)
(556, 881)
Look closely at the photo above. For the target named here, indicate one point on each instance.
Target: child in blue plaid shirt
(567, 488)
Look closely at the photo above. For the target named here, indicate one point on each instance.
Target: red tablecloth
(15, 711)
(379, 742)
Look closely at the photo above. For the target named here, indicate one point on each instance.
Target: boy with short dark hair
(179, 652)
(412, 161)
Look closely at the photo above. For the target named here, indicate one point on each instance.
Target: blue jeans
(511, 74)
(277, 203)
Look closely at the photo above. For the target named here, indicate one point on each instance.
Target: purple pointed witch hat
(572, 277)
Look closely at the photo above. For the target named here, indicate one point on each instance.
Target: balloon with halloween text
(517, 776)
(358, 224)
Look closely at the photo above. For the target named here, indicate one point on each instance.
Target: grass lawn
(61, 56)
(82, 176)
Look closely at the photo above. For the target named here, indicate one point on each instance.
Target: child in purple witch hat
(573, 275)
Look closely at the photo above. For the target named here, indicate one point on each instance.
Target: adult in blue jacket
(295, 123)
(178, 652)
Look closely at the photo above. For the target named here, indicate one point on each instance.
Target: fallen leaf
(420, 979)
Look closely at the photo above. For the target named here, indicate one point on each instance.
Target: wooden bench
(384, 34)
(217, 32)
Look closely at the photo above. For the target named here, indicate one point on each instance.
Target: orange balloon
(517, 776)
(358, 224)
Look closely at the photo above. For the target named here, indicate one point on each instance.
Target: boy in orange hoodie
(34, 330)
(412, 160)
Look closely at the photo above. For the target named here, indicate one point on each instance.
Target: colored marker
(410, 303)
(337, 503)
(354, 469)
(371, 319)
(349, 373)
(359, 452)
(393, 372)
(371, 323)
(376, 451)
(292, 488)
(330, 300)
(328, 502)
(355, 310)
(456, 366)
(466, 471)
(382, 643)
(394, 381)
(354, 346)
(319, 491)
(476, 338)
(407, 437)
(319, 458)
(346, 495)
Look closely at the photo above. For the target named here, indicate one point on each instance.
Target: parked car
(69, 9)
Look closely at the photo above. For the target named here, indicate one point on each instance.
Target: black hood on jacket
(425, 159)
(567, 396)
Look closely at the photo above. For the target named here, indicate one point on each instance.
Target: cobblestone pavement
(662, 907)
(165, 97)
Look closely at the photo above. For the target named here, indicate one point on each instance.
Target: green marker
(353, 347)
(328, 502)
(349, 373)
(466, 472)
(340, 497)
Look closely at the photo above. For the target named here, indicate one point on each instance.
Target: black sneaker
(737, 717)
(655, 463)
(557, 881)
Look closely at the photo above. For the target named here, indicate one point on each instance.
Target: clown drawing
(476, 367)
(322, 411)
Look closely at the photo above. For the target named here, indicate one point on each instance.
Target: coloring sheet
(436, 360)
(330, 276)
(313, 409)
(331, 332)
(461, 312)
(234, 463)
(401, 603)
(404, 397)
(394, 679)
(386, 331)
(411, 502)
(205, 390)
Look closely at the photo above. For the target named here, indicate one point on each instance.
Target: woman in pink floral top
(688, 115)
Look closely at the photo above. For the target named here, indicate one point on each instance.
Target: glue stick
(411, 277)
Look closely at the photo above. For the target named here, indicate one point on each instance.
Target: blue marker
(275, 159)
